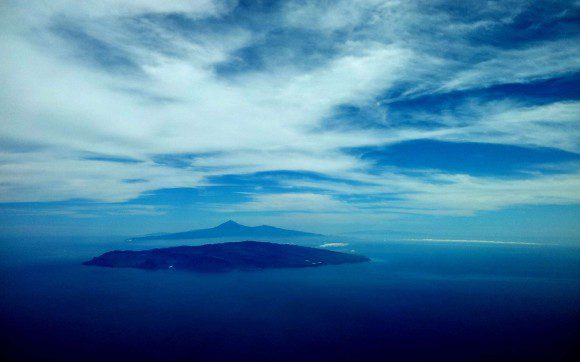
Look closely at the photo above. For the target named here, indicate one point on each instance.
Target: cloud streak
(467, 241)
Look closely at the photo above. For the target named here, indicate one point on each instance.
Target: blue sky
(452, 118)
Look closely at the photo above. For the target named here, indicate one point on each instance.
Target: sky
(449, 118)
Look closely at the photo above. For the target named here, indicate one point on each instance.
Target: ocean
(424, 301)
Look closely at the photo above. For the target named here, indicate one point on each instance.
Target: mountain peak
(229, 223)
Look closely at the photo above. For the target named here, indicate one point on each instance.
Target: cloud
(125, 8)
(468, 194)
(332, 245)
(48, 176)
(290, 202)
(93, 210)
(329, 17)
(467, 241)
(65, 99)
(437, 193)
(544, 60)
(553, 125)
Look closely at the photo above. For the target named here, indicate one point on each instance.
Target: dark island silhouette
(222, 257)
(228, 229)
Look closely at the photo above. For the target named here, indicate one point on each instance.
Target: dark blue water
(413, 302)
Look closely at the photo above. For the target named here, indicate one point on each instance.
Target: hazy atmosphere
(458, 119)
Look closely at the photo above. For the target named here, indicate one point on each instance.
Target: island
(228, 229)
(222, 257)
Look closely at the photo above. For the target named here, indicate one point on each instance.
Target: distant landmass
(222, 257)
(228, 229)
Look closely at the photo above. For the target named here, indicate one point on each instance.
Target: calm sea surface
(412, 302)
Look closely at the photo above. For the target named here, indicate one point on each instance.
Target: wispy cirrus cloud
(543, 60)
(431, 194)
(242, 89)
(553, 125)
(87, 211)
